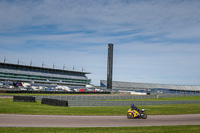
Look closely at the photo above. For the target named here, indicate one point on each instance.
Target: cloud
(154, 41)
(151, 16)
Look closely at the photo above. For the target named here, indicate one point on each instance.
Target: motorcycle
(136, 114)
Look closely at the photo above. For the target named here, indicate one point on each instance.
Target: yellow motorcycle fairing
(135, 113)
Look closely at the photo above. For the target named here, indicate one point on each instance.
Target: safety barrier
(54, 102)
(110, 97)
(23, 99)
(127, 103)
(104, 100)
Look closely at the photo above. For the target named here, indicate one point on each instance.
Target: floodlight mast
(110, 66)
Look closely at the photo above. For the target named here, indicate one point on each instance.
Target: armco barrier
(110, 97)
(23, 99)
(126, 103)
(54, 102)
(104, 100)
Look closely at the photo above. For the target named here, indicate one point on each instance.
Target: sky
(155, 41)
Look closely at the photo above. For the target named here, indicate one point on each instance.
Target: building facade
(153, 87)
(15, 73)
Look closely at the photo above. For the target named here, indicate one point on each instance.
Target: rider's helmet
(132, 105)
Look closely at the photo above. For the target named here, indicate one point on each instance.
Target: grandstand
(14, 73)
(153, 87)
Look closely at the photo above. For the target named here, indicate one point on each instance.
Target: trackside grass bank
(184, 98)
(146, 99)
(7, 106)
(153, 129)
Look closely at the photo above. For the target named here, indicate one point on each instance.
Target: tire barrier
(54, 102)
(23, 99)
(2, 91)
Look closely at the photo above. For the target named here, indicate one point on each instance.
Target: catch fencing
(126, 103)
(104, 100)
(110, 97)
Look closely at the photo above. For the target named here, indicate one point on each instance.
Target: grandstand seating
(27, 73)
(45, 74)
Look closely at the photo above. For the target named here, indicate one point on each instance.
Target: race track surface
(14, 120)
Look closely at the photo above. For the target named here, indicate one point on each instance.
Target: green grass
(181, 98)
(186, 98)
(7, 106)
(147, 99)
(152, 129)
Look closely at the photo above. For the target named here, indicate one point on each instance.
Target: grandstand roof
(18, 66)
(135, 85)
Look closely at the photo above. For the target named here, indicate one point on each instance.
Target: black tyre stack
(23, 99)
(54, 102)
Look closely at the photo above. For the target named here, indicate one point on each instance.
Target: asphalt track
(16, 120)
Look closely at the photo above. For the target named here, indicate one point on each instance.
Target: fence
(101, 100)
(110, 97)
(126, 103)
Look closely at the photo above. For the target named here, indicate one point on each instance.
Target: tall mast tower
(110, 66)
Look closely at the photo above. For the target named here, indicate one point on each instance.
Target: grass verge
(10, 107)
(146, 99)
(184, 98)
(152, 129)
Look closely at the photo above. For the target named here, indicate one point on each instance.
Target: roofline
(149, 83)
(43, 68)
